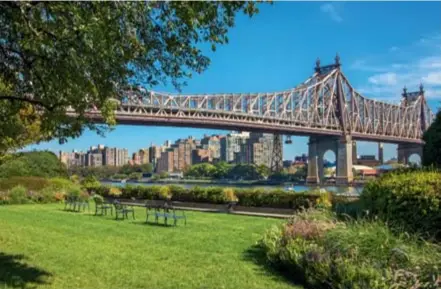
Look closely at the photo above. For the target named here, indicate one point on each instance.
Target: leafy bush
(229, 195)
(165, 193)
(37, 164)
(4, 198)
(322, 252)
(90, 183)
(408, 199)
(18, 195)
(114, 192)
(31, 183)
(97, 198)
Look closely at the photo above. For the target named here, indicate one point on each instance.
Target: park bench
(166, 212)
(123, 209)
(74, 203)
(102, 207)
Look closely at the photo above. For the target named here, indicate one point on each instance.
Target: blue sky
(383, 46)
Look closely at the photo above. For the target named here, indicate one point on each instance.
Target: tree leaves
(71, 54)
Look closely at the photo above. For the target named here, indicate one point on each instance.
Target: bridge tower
(407, 150)
(341, 146)
(277, 156)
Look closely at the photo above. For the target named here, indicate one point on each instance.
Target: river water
(297, 188)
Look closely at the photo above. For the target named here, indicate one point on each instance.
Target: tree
(203, 170)
(263, 171)
(90, 183)
(432, 146)
(222, 170)
(56, 56)
(37, 164)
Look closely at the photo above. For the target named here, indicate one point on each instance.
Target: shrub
(18, 195)
(98, 198)
(38, 164)
(114, 192)
(74, 191)
(31, 183)
(408, 199)
(322, 252)
(229, 195)
(165, 193)
(245, 197)
(4, 198)
(90, 183)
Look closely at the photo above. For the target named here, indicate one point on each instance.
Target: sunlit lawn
(44, 246)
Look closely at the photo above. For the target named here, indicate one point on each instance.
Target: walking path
(254, 214)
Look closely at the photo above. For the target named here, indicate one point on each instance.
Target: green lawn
(44, 246)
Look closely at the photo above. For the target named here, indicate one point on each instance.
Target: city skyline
(379, 62)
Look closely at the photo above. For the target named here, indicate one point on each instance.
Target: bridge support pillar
(344, 173)
(342, 148)
(406, 150)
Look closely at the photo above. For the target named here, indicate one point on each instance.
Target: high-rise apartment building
(201, 156)
(121, 157)
(94, 159)
(166, 162)
(182, 150)
(154, 154)
(231, 145)
(109, 156)
(136, 158)
(212, 143)
(143, 156)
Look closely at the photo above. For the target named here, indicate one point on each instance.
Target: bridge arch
(415, 159)
(408, 153)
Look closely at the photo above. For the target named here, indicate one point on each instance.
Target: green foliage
(37, 190)
(203, 170)
(90, 183)
(165, 193)
(222, 170)
(321, 252)
(246, 197)
(31, 183)
(432, 146)
(408, 199)
(37, 164)
(229, 195)
(135, 176)
(98, 198)
(18, 195)
(80, 54)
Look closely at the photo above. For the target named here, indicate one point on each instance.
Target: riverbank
(358, 183)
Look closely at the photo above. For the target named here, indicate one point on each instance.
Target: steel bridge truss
(325, 104)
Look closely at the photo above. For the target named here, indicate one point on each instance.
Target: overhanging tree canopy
(432, 146)
(56, 55)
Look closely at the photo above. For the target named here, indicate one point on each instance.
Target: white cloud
(430, 62)
(389, 78)
(331, 10)
(433, 93)
(433, 78)
(393, 49)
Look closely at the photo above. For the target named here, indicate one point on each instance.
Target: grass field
(46, 247)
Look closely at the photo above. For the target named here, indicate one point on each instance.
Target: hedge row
(246, 197)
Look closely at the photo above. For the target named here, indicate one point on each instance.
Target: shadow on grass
(17, 274)
(153, 224)
(256, 254)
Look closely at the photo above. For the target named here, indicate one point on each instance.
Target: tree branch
(31, 101)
